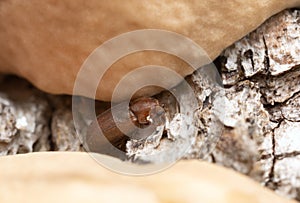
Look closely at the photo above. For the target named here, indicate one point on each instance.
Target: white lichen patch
(23, 119)
(273, 48)
(287, 137)
(64, 136)
(280, 88)
(154, 149)
(291, 110)
(287, 176)
(245, 110)
(246, 55)
(8, 128)
(228, 111)
(269, 58)
(283, 31)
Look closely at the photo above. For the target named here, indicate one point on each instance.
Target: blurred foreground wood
(76, 177)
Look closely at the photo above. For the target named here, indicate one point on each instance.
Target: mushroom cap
(77, 177)
(47, 42)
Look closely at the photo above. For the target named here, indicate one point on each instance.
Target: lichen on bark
(269, 58)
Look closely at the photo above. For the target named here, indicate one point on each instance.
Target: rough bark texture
(260, 111)
(24, 118)
(269, 59)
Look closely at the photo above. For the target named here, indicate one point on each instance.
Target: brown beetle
(141, 112)
(141, 109)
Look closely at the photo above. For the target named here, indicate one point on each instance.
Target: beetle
(141, 113)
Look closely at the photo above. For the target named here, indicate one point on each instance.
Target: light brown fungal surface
(47, 42)
(76, 177)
